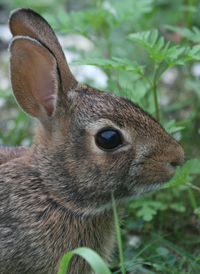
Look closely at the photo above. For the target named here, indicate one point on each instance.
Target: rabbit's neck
(73, 230)
(97, 233)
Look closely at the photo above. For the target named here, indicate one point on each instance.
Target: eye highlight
(109, 139)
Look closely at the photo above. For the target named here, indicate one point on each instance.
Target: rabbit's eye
(109, 140)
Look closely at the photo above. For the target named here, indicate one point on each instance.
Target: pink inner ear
(33, 76)
(41, 82)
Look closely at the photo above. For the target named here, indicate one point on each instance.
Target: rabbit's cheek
(147, 175)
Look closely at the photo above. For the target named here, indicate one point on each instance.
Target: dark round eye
(109, 139)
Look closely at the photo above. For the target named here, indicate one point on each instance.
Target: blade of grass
(119, 240)
(192, 266)
(62, 269)
(182, 253)
(95, 261)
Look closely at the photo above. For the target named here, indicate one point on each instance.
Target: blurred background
(161, 232)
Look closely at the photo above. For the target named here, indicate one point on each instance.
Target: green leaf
(146, 212)
(172, 126)
(177, 207)
(175, 51)
(148, 208)
(191, 35)
(160, 43)
(181, 175)
(116, 63)
(150, 42)
(171, 259)
(95, 261)
(154, 37)
(160, 52)
(162, 251)
(194, 168)
(191, 54)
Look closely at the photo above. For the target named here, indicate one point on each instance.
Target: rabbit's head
(88, 143)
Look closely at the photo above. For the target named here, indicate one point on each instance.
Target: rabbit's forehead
(96, 115)
(101, 105)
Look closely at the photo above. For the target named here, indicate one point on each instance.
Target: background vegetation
(149, 51)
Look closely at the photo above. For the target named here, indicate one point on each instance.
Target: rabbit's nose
(178, 157)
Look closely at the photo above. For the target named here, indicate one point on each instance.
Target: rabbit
(56, 195)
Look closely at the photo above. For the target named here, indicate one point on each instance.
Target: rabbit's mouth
(139, 190)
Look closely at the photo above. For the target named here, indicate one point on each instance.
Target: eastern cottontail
(56, 195)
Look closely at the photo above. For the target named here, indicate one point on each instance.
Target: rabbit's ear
(34, 77)
(26, 22)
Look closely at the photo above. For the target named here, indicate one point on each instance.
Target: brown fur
(9, 153)
(56, 195)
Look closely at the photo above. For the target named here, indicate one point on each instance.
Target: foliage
(136, 52)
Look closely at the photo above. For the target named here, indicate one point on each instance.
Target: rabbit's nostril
(178, 158)
(174, 164)
(178, 161)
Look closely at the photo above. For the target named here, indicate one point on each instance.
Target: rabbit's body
(35, 229)
(56, 195)
(37, 223)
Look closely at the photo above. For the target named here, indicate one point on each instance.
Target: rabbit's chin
(144, 190)
(131, 195)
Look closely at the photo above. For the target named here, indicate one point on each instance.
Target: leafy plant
(164, 57)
